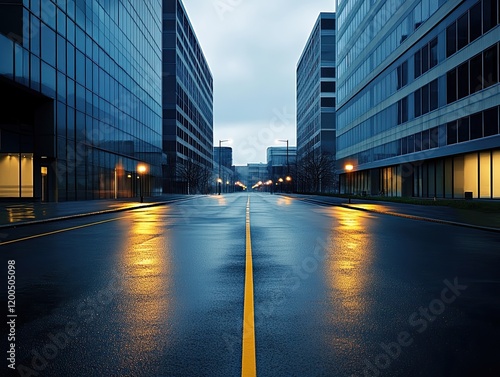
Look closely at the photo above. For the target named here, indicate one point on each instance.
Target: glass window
(451, 133)
(80, 39)
(425, 59)
(475, 21)
(7, 59)
(433, 95)
(463, 129)
(463, 82)
(70, 54)
(70, 87)
(61, 23)
(61, 119)
(35, 7)
(451, 86)
(35, 36)
(70, 121)
(425, 140)
(61, 87)
(48, 80)
(491, 66)
(425, 99)
(327, 87)
(433, 59)
(417, 98)
(434, 137)
(489, 14)
(476, 73)
(463, 31)
(476, 126)
(48, 45)
(49, 13)
(35, 72)
(417, 64)
(451, 39)
(71, 31)
(61, 54)
(80, 67)
(491, 122)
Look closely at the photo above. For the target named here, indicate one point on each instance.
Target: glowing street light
(349, 168)
(141, 168)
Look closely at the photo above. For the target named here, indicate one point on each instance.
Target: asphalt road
(337, 292)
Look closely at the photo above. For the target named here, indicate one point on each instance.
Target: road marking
(58, 231)
(248, 363)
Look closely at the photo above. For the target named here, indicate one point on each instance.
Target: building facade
(418, 97)
(316, 90)
(281, 162)
(187, 100)
(80, 98)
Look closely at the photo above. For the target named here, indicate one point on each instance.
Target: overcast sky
(252, 48)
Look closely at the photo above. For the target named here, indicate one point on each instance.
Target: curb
(403, 215)
(87, 214)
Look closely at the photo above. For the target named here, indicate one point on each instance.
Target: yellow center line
(58, 231)
(248, 363)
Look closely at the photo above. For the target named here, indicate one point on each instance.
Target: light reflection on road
(349, 265)
(147, 303)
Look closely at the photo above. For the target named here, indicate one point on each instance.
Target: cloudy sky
(252, 48)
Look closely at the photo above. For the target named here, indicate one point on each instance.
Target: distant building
(418, 98)
(80, 103)
(187, 100)
(226, 168)
(281, 164)
(257, 172)
(316, 90)
(226, 156)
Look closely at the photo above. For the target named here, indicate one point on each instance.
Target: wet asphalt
(338, 292)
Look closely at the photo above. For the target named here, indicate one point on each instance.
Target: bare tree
(316, 173)
(191, 173)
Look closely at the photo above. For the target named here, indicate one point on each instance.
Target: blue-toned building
(316, 90)
(418, 97)
(80, 97)
(187, 100)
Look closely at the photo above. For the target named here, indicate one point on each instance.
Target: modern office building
(224, 169)
(187, 99)
(80, 99)
(281, 162)
(316, 90)
(223, 156)
(418, 97)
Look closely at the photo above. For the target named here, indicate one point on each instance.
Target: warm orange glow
(349, 167)
(288, 178)
(141, 168)
(144, 277)
(280, 180)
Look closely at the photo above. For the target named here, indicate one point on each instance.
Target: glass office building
(80, 87)
(187, 99)
(316, 91)
(418, 97)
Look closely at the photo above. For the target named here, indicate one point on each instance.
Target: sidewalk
(441, 214)
(24, 213)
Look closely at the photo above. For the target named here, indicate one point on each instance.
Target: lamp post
(219, 180)
(141, 169)
(349, 168)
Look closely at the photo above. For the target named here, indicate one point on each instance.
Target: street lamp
(219, 180)
(349, 168)
(287, 164)
(141, 169)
